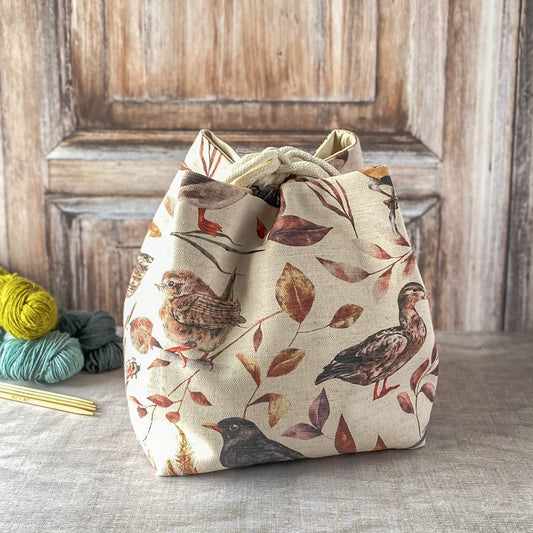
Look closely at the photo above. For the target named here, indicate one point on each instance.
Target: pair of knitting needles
(51, 400)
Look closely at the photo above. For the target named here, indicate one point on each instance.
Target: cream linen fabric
(311, 281)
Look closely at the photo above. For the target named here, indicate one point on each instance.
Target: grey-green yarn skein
(96, 332)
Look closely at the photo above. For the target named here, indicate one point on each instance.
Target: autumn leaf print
(319, 410)
(346, 316)
(161, 401)
(258, 337)
(261, 229)
(405, 403)
(141, 333)
(295, 231)
(154, 230)
(278, 405)
(251, 366)
(302, 431)
(380, 445)
(344, 442)
(199, 398)
(295, 293)
(342, 271)
(286, 361)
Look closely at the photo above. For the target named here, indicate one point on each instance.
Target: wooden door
(102, 98)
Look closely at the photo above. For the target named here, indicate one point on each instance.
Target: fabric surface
(67, 473)
(267, 333)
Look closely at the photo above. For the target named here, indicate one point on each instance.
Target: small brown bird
(383, 353)
(193, 316)
(207, 193)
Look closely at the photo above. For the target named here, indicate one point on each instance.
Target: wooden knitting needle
(46, 395)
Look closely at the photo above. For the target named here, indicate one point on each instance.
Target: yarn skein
(96, 332)
(52, 358)
(27, 311)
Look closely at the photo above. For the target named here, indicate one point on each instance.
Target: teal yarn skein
(101, 346)
(52, 358)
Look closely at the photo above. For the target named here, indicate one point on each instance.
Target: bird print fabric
(273, 327)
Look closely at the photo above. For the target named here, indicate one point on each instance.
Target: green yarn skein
(52, 358)
(96, 332)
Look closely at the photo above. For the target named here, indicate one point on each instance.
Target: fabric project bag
(276, 312)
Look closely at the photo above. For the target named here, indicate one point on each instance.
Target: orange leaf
(349, 273)
(162, 401)
(405, 403)
(344, 442)
(346, 316)
(382, 283)
(295, 231)
(429, 390)
(373, 249)
(142, 412)
(286, 361)
(159, 362)
(295, 293)
(141, 333)
(251, 366)
(278, 405)
(170, 204)
(258, 337)
(173, 417)
(133, 399)
(154, 230)
(261, 229)
(199, 398)
(417, 374)
(409, 265)
(380, 445)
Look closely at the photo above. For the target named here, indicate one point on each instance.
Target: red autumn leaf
(258, 337)
(251, 366)
(154, 230)
(382, 283)
(409, 265)
(261, 229)
(429, 390)
(344, 442)
(373, 249)
(405, 403)
(417, 374)
(319, 410)
(302, 431)
(142, 412)
(199, 398)
(278, 405)
(295, 231)
(435, 371)
(401, 240)
(141, 333)
(349, 273)
(134, 400)
(162, 401)
(286, 361)
(346, 316)
(380, 445)
(295, 293)
(434, 353)
(159, 362)
(169, 203)
(173, 417)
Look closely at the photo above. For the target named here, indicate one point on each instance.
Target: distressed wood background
(100, 99)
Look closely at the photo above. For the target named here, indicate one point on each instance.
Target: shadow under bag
(276, 312)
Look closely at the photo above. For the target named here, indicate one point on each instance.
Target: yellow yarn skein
(27, 311)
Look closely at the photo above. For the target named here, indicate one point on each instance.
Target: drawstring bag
(276, 312)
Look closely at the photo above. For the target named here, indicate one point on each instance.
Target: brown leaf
(142, 412)
(173, 417)
(434, 353)
(372, 249)
(295, 293)
(429, 390)
(295, 231)
(258, 337)
(302, 431)
(261, 229)
(344, 442)
(435, 371)
(170, 204)
(382, 283)
(380, 445)
(319, 410)
(346, 316)
(134, 400)
(162, 401)
(405, 403)
(417, 374)
(278, 405)
(154, 230)
(409, 265)
(159, 362)
(251, 366)
(349, 273)
(141, 333)
(199, 398)
(286, 361)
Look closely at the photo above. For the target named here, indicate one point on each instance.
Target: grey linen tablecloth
(63, 472)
